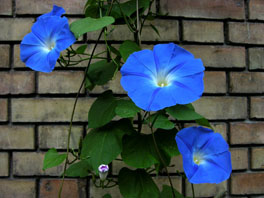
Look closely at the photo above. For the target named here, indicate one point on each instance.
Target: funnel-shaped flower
(50, 34)
(206, 158)
(103, 171)
(164, 77)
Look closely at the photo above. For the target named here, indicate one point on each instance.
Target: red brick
(72, 188)
(3, 112)
(216, 108)
(239, 158)
(256, 58)
(203, 31)
(204, 8)
(6, 7)
(15, 28)
(256, 8)
(40, 7)
(247, 183)
(4, 53)
(257, 107)
(17, 83)
(257, 160)
(49, 109)
(249, 82)
(31, 164)
(219, 56)
(60, 82)
(246, 32)
(247, 133)
(214, 82)
(17, 137)
(15, 188)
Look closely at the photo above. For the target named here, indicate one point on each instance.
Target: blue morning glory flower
(206, 158)
(164, 77)
(50, 34)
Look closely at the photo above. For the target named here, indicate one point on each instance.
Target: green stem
(161, 159)
(75, 104)
(138, 26)
(193, 194)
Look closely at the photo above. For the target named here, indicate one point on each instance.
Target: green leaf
(92, 11)
(107, 196)
(104, 144)
(139, 151)
(204, 122)
(166, 141)
(102, 110)
(79, 169)
(155, 29)
(136, 184)
(126, 108)
(81, 49)
(127, 48)
(53, 158)
(101, 72)
(167, 192)
(183, 112)
(161, 121)
(88, 24)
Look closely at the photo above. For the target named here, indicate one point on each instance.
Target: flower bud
(103, 171)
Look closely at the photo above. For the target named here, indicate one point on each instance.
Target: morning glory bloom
(206, 158)
(50, 35)
(103, 171)
(164, 77)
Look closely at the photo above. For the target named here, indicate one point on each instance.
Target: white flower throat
(198, 158)
(162, 79)
(49, 45)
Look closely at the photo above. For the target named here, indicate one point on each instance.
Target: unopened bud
(103, 171)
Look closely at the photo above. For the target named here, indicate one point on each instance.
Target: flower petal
(56, 11)
(167, 56)
(215, 170)
(140, 62)
(141, 97)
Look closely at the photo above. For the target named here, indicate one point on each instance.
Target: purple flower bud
(103, 171)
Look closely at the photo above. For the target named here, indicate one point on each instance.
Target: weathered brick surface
(219, 56)
(249, 82)
(215, 82)
(49, 109)
(17, 137)
(206, 190)
(257, 107)
(3, 112)
(204, 8)
(222, 107)
(14, 28)
(4, 164)
(162, 180)
(17, 83)
(60, 82)
(239, 158)
(56, 136)
(22, 188)
(98, 192)
(4, 53)
(246, 32)
(257, 160)
(49, 188)
(256, 9)
(40, 7)
(168, 30)
(31, 163)
(205, 31)
(6, 7)
(247, 133)
(256, 58)
(247, 183)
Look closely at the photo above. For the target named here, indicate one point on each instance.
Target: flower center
(49, 45)
(162, 83)
(198, 158)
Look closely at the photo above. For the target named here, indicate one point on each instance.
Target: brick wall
(35, 107)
